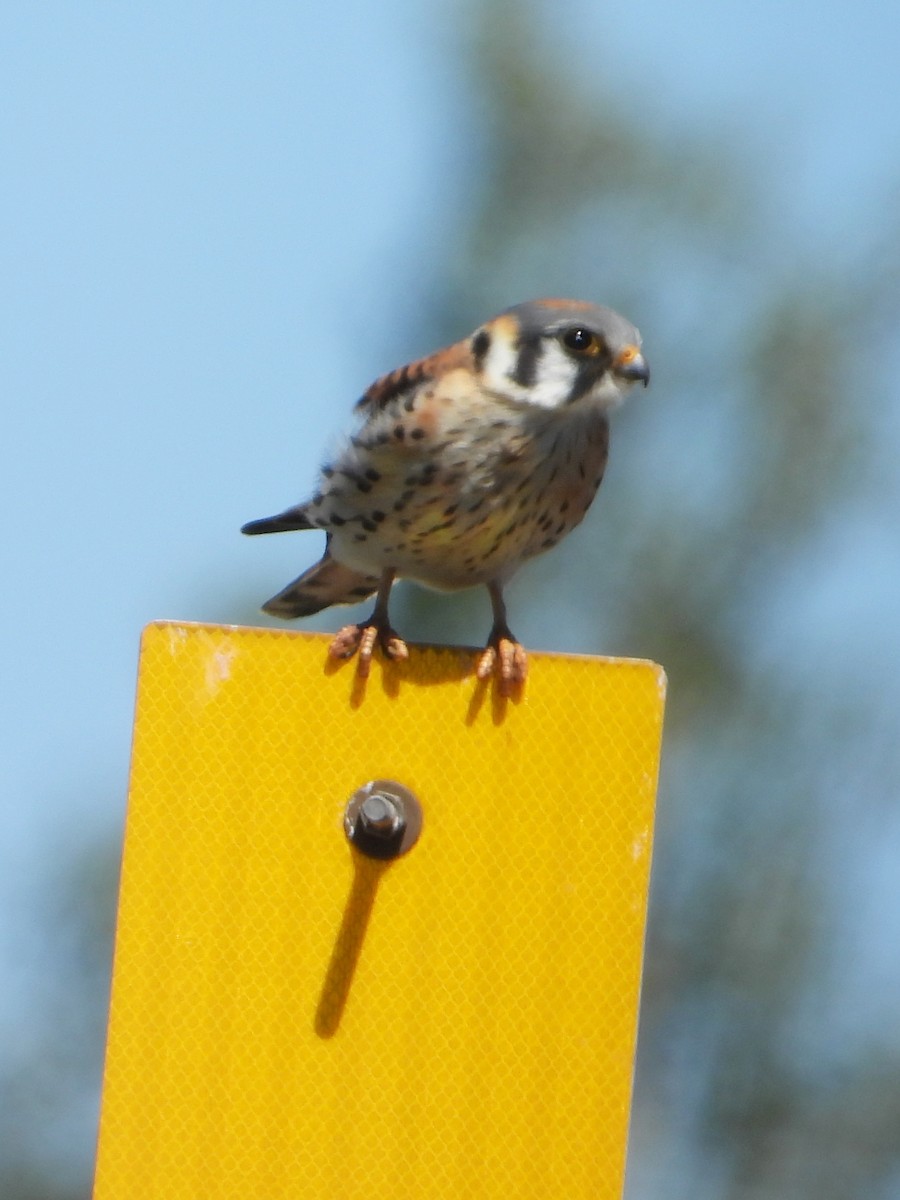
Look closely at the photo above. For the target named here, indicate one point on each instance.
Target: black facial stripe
(589, 371)
(525, 372)
(481, 343)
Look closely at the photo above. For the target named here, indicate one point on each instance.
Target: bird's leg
(503, 654)
(362, 638)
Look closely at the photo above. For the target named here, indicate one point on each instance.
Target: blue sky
(214, 222)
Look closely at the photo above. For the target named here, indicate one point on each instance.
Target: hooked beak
(630, 364)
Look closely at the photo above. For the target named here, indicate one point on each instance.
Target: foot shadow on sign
(367, 873)
(428, 666)
(499, 702)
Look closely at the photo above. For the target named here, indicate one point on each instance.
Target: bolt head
(383, 819)
(380, 815)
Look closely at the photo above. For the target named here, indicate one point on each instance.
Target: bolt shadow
(367, 873)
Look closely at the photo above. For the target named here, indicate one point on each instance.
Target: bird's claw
(362, 639)
(506, 658)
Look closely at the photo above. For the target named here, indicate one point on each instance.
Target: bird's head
(555, 353)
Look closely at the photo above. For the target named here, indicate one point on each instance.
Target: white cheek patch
(554, 373)
(555, 377)
(499, 365)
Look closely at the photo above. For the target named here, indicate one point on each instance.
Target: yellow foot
(362, 639)
(506, 658)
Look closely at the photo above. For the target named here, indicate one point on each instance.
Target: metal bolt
(383, 819)
(380, 815)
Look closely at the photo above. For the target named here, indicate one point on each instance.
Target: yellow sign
(293, 1019)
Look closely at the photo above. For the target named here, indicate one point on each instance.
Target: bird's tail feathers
(291, 518)
(326, 583)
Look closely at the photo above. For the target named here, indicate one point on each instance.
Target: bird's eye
(581, 341)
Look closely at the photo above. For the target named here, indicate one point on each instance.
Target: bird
(464, 465)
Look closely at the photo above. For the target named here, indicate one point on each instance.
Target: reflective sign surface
(292, 1018)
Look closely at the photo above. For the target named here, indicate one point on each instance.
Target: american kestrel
(464, 465)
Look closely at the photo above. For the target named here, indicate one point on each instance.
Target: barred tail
(326, 583)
